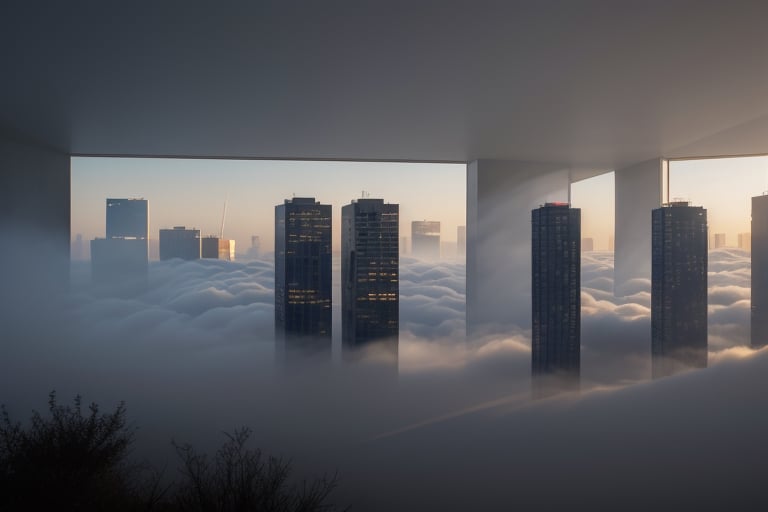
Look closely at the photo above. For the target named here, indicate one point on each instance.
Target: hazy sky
(724, 186)
(595, 197)
(192, 192)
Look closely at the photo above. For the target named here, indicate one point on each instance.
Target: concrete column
(500, 197)
(638, 191)
(34, 226)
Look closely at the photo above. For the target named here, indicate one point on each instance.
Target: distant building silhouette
(745, 241)
(127, 218)
(719, 240)
(461, 241)
(404, 246)
(303, 278)
(254, 251)
(78, 250)
(425, 239)
(119, 261)
(370, 288)
(213, 247)
(122, 258)
(180, 242)
(587, 244)
(556, 298)
(611, 243)
(679, 288)
(759, 314)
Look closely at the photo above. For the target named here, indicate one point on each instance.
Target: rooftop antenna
(223, 218)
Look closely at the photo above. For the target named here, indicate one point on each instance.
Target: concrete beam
(34, 226)
(639, 190)
(500, 197)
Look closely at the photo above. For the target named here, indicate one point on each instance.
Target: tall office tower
(425, 239)
(370, 287)
(404, 246)
(302, 278)
(745, 241)
(678, 288)
(611, 243)
(461, 241)
(556, 299)
(127, 218)
(719, 240)
(213, 247)
(759, 322)
(122, 258)
(180, 242)
(255, 249)
(587, 244)
(78, 252)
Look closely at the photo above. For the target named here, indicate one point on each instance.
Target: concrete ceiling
(592, 83)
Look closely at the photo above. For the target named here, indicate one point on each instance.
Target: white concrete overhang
(594, 84)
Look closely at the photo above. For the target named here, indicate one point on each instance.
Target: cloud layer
(193, 355)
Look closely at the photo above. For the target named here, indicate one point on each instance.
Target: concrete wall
(34, 224)
(638, 192)
(500, 197)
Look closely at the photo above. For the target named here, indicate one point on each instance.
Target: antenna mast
(223, 217)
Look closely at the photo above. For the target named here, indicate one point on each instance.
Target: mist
(193, 355)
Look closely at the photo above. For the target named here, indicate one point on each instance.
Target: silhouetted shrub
(240, 479)
(70, 460)
(76, 461)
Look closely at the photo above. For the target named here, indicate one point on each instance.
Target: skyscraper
(122, 258)
(679, 288)
(370, 287)
(461, 241)
(425, 239)
(759, 329)
(213, 247)
(587, 244)
(719, 240)
(745, 241)
(556, 298)
(180, 242)
(303, 277)
(127, 218)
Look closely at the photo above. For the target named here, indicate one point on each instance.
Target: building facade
(678, 288)
(370, 276)
(759, 313)
(556, 299)
(213, 247)
(303, 277)
(745, 241)
(127, 218)
(180, 242)
(425, 239)
(122, 258)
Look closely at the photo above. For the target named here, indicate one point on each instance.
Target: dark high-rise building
(425, 239)
(122, 258)
(678, 288)
(119, 261)
(370, 286)
(127, 218)
(213, 247)
(303, 277)
(759, 248)
(556, 298)
(180, 242)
